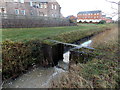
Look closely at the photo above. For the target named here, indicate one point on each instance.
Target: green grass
(26, 34)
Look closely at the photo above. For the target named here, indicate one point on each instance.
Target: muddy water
(42, 77)
(39, 77)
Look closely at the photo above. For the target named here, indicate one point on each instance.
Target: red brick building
(89, 16)
(72, 18)
(46, 8)
(107, 19)
(92, 17)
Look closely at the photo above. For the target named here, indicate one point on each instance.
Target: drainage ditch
(42, 77)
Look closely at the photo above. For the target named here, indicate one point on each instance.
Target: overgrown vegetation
(18, 57)
(23, 47)
(102, 72)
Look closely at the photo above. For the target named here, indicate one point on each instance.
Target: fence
(23, 21)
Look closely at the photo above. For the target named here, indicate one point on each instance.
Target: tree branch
(113, 2)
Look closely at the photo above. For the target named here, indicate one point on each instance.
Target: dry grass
(101, 72)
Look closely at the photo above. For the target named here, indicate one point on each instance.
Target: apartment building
(89, 16)
(92, 17)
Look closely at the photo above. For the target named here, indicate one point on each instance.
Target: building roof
(103, 15)
(44, 0)
(87, 12)
(109, 17)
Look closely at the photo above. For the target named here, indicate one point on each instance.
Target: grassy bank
(26, 34)
(101, 72)
(24, 46)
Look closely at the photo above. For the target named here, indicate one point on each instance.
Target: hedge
(17, 57)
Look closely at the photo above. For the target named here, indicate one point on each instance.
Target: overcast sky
(72, 7)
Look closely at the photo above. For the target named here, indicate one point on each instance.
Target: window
(52, 15)
(55, 7)
(15, 0)
(45, 15)
(41, 5)
(31, 12)
(16, 11)
(45, 5)
(31, 4)
(37, 5)
(2, 10)
(55, 15)
(23, 12)
(22, 1)
(52, 6)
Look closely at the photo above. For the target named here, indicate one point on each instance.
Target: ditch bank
(19, 57)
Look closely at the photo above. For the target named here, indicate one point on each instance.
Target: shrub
(102, 22)
(91, 22)
(17, 57)
(80, 21)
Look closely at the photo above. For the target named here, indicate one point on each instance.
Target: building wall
(2, 6)
(54, 9)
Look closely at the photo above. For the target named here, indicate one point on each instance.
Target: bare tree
(116, 11)
(113, 2)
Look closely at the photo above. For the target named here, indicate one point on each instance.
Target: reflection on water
(66, 57)
(87, 43)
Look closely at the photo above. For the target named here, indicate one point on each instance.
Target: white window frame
(52, 15)
(55, 7)
(17, 11)
(22, 1)
(45, 5)
(31, 3)
(52, 6)
(41, 5)
(23, 12)
(38, 5)
(45, 15)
